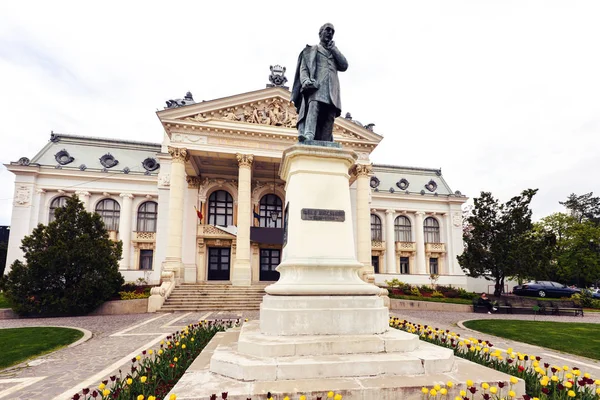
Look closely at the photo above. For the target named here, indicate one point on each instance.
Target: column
(41, 211)
(448, 261)
(242, 272)
(363, 220)
(85, 199)
(125, 229)
(172, 262)
(420, 258)
(390, 243)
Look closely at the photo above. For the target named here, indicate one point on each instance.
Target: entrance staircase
(214, 297)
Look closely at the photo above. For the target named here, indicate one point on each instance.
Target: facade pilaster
(125, 229)
(242, 271)
(448, 262)
(363, 220)
(177, 184)
(40, 208)
(85, 199)
(420, 242)
(390, 243)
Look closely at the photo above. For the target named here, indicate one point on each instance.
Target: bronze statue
(316, 90)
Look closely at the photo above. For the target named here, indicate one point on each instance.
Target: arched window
(431, 228)
(110, 211)
(146, 217)
(270, 205)
(220, 208)
(375, 227)
(56, 203)
(402, 229)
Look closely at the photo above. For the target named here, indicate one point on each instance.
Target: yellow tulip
(449, 384)
(568, 376)
(597, 382)
(458, 398)
(511, 393)
(437, 387)
(536, 398)
(143, 379)
(571, 393)
(129, 381)
(150, 352)
(493, 390)
(106, 392)
(303, 397)
(183, 346)
(140, 397)
(544, 382)
(175, 359)
(330, 395)
(173, 397)
(598, 391)
(586, 375)
(566, 368)
(443, 391)
(554, 378)
(160, 352)
(151, 398)
(337, 397)
(576, 372)
(424, 390)
(568, 385)
(485, 386)
(433, 392)
(463, 393)
(137, 357)
(286, 398)
(513, 380)
(101, 386)
(469, 382)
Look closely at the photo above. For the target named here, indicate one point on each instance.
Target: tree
(575, 255)
(584, 207)
(71, 266)
(3, 252)
(499, 242)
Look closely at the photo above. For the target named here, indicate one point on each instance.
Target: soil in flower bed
(571, 337)
(20, 344)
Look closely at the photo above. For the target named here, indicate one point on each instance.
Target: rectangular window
(404, 265)
(146, 259)
(433, 266)
(269, 260)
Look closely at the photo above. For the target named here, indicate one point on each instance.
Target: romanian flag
(199, 214)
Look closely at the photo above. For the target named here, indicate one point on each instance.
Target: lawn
(569, 337)
(20, 344)
(3, 301)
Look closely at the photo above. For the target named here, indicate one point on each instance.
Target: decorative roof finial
(277, 77)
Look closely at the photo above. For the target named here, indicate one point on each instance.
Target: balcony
(144, 236)
(211, 231)
(435, 248)
(377, 245)
(406, 246)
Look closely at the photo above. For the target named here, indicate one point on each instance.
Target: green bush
(425, 289)
(414, 291)
(584, 299)
(71, 266)
(394, 283)
(437, 294)
(463, 294)
(134, 295)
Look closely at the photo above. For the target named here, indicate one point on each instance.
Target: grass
(570, 337)
(20, 344)
(3, 301)
(433, 299)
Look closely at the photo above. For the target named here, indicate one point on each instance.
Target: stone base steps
(211, 297)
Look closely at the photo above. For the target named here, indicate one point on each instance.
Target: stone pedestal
(321, 326)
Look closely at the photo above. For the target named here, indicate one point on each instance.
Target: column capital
(362, 170)
(193, 181)
(245, 160)
(82, 193)
(39, 191)
(390, 211)
(126, 195)
(420, 213)
(179, 154)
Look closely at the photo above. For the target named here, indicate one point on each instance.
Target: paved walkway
(117, 339)
(449, 320)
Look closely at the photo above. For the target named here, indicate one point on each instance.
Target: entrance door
(269, 260)
(375, 263)
(219, 259)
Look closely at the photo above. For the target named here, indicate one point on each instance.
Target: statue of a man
(316, 90)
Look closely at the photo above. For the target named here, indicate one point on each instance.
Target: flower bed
(542, 381)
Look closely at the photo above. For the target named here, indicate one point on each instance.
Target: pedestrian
(484, 301)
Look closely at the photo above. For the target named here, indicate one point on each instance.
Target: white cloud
(502, 95)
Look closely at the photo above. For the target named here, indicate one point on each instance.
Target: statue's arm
(304, 73)
(340, 60)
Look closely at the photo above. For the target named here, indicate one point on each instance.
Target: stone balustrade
(159, 294)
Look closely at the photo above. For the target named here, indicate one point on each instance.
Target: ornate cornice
(193, 181)
(245, 160)
(179, 154)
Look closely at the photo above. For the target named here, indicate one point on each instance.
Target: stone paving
(116, 339)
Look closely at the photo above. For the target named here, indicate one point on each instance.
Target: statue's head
(326, 33)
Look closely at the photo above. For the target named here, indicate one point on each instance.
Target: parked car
(594, 292)
(544, 289)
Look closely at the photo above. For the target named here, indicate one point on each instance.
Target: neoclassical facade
(207, 203)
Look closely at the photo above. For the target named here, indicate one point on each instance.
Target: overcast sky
(502, 95)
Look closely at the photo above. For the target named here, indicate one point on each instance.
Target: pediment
(267, 109)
